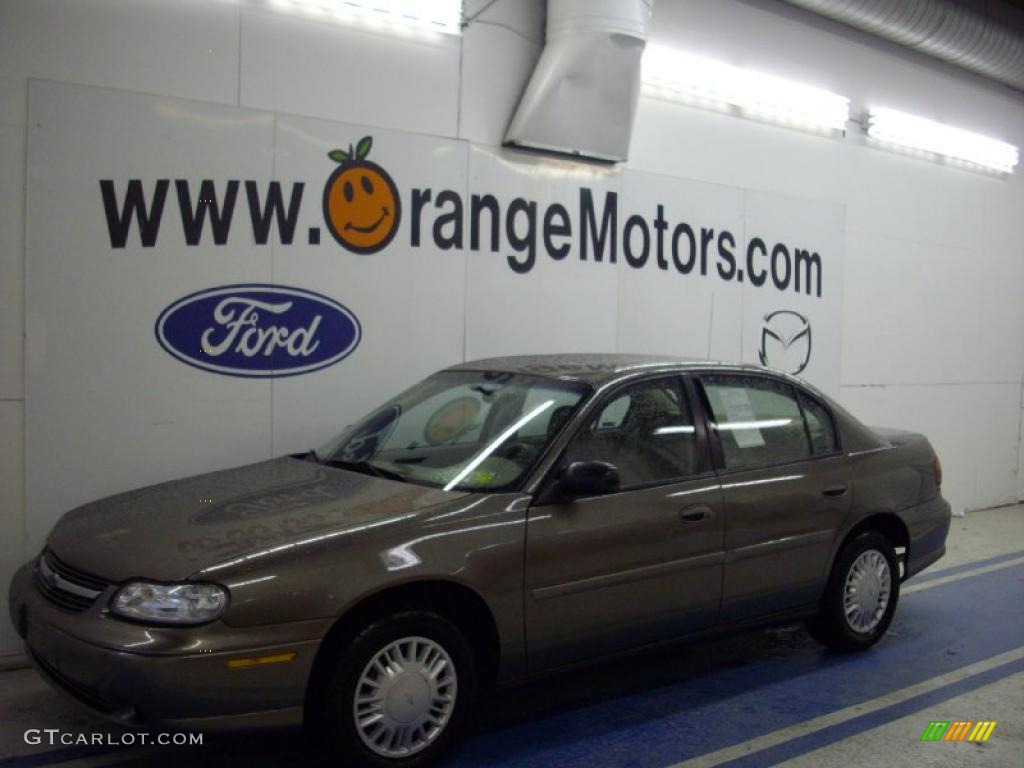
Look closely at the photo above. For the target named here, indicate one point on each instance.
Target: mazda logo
(785, 341)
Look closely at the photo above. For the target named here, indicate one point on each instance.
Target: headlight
(186, 603)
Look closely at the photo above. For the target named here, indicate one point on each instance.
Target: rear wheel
(861, 595)
(400, 693)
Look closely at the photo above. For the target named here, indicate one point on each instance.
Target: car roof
(593, 368)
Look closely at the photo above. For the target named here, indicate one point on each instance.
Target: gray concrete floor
(26, 702)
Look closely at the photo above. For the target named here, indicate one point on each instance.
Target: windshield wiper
(364, 467)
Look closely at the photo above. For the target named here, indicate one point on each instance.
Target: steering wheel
(516, 451)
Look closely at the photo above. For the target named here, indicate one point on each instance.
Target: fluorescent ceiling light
(712, 84)
(442, 16)
(889, 126)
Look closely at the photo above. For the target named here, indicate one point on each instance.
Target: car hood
(172, 530)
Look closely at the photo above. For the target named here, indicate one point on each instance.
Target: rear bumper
(928, 525)
(190, 689)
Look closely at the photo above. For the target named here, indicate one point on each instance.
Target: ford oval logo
(258, 331)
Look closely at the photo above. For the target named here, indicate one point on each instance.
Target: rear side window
(819, 425)
(758, 420)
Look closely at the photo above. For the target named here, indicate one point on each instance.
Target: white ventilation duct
(582, 96)
(940, 28)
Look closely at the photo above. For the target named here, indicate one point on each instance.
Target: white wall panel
(679, 140)
(152, 46)
(291, 63)
(1000, 350)
(913, 313)
(661, 310)
(930, 314)
(409, 301)
(12, 260)
(105, 404)
(892, 194)
(12, 510)
(995, 441)
(559, 305)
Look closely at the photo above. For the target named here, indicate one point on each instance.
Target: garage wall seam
(238, 78)
(511, 29)
(273, 258)
(1020, 442)
(23, 548)
(458, 94)
(469, 148)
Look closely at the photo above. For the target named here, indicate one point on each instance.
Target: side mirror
(588, 478)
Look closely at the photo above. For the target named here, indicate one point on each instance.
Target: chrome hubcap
(868, 585)
(405, 697)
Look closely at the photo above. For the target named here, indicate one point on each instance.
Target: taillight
(938, 471)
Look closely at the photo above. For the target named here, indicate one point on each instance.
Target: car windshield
(459, 430)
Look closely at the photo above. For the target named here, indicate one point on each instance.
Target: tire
(861, 626)
(411, 639)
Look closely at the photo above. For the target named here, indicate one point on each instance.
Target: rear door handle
(696, 513)
(835, 490)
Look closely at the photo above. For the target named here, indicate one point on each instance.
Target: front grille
(83, 693)
(66, 587)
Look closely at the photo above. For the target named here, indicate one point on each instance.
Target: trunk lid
(899, 437)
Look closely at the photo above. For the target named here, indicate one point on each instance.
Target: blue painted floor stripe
(812, 741)
(931, 575)
(704, 709)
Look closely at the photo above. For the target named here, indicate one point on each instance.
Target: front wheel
(401, 692)
(861, 595)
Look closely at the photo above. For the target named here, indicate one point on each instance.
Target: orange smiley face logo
(361, 204)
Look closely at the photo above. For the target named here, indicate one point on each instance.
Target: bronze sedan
(500, 519)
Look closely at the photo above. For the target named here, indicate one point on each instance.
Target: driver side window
(645, 430)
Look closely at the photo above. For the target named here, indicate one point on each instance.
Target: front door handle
(695, 513)
(835, 490)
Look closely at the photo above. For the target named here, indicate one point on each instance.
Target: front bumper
(135, 674)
